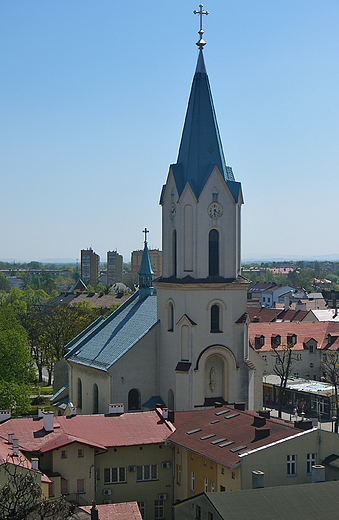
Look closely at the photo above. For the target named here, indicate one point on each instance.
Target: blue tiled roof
(114, 336)
(200, 148)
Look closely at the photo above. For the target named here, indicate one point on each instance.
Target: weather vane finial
(145, 231)
(201, 42)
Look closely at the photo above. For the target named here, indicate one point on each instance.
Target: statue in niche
(212, 379)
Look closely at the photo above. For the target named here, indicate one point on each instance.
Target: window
(80, 453)
(174, 253)
(265, 358)
(213, 253)
(311, 349)
(142, 509)
(212, 487)
(215, 326)
(64, 454)
(64, 486)
(205, 485)
(148, 472)
(51, 489)
(209, 516)
(198, 512)
(263, 298)
(291, 465)
(80, 485)
(170, 317)
(311, 461)
(159, 509)
(79, 393)
(192, 481)
(134, 399)
(114, 475)
(296, 374)
(95, 398)
(222, 488)
(179, 474)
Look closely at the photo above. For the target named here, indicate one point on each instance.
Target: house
(309, 341)
(114, 457)
(218, 449)
(185, 344)
(303, 501)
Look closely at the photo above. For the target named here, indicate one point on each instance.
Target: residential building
(114, 457)
(309, 341)
(156, 262)
(90, 266)
(303, 501)
(218, 450)
(114, 267)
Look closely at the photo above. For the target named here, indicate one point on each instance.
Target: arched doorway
(134, 400)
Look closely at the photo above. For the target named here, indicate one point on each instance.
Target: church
(180, 340)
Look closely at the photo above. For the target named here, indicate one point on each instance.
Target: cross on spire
(201, 42)
(145, 231)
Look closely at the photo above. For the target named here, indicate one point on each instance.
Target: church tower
(204, 354)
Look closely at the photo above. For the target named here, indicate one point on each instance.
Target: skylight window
(213, 422)
(193, 431)
(222, 412)
(238, 448)
(219, 440)
(207, 436)
(232, 415)
(222, 445)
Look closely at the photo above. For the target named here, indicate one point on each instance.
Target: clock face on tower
(215, 210)
(172, 211)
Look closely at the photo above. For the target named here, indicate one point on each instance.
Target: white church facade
(183, 344)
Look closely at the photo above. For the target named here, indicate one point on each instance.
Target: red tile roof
(209, 431)
(120, 511)
(304, 331)
(266, 315)
(96, 430)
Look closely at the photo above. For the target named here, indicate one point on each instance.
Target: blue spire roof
(200, 148)
(145, 266)
(145, 273)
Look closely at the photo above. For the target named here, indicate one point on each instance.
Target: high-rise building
(156, 262)
(114, 267)
(90, 266)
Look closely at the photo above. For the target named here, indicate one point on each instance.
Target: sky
(93, 97)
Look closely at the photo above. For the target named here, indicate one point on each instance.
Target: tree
(284, 358)
(330, 367)
(21, 498)
(16, 371)
(4, 283)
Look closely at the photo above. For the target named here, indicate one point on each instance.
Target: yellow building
(156, 262)
(219, 449)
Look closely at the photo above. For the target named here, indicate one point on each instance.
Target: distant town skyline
(93, 99)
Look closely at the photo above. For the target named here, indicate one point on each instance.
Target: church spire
(200, 147)
(145, 272)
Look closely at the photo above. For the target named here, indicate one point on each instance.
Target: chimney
(258, 479)
(265, 413)
(4, 415)
(10, 438)
(165, 413)
(35, 464)
(318, 473)
(15, 447)
(304, 425)
(41, 412)
(261, 433)
(48, 421)
(116, 409)
(94, 511)
(73, 410)
(286, 303)
(239, 406)
(259, 421)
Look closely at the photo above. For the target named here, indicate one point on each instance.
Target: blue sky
(93, 97)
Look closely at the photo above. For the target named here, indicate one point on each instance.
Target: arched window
(134, 399)
(170, 311)
(79, 393)
(213, 253)
(215, 318)
(174, 252)
(95, 398)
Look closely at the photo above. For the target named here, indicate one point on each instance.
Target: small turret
(145, 272)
